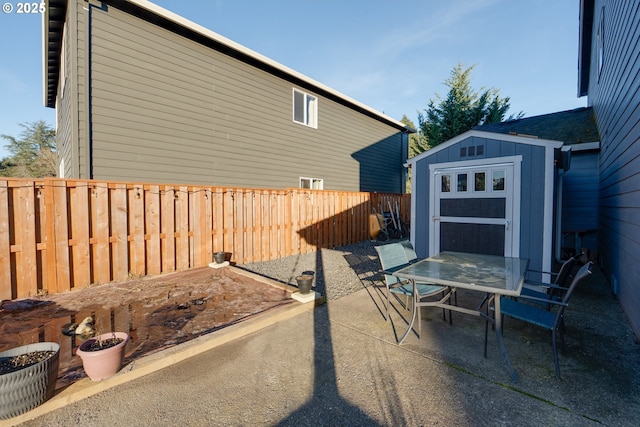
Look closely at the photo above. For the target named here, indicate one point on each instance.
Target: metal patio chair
(392, 258)
(552, 320)
(408, 249)
(554, 290)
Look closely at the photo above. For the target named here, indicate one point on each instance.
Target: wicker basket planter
(23, 390)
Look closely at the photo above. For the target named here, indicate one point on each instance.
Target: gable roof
(571, 127)
(53, 23)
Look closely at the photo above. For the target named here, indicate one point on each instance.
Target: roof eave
(52, 27)
(584, 50)
(171, 21)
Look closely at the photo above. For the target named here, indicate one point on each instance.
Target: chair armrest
(545, 285)
(392, 270)
(541, 272)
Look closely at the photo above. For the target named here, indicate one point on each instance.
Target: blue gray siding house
(609, 74)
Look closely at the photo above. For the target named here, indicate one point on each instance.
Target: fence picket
(152, 229)
(119, 233)
(182, 234)
(136, 230)
(168, 229)
(100, 234)
(79, 242)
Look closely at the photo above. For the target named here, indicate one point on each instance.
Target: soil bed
(157, 312)
(102, 345)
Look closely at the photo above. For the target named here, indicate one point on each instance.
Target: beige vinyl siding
(167, 109)
(70, 106)
(64, 108)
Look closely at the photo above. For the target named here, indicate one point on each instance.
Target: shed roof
(53, 23)
(517, 139)
(571, 126)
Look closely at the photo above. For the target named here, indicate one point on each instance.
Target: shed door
(473, 209)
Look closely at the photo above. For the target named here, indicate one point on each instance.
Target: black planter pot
(304, 283)
(219, 257)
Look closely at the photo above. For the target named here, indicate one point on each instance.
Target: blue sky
(391, 55)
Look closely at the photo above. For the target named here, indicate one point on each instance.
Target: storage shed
(486, 193)
(498, 189)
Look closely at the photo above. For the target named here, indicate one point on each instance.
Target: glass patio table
(490, 274)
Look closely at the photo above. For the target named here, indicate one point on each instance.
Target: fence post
(5, 243)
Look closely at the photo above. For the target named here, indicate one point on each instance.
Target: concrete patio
(339, 364)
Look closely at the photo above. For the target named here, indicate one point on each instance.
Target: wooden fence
(57, 235)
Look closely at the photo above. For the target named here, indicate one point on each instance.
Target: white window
(600, 42)
(63, 61)
(311, 183)
(305, 109)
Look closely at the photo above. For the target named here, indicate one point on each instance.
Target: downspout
(89, 99)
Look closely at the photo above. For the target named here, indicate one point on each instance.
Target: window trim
(310, 102)
(312, 181)
(600, 44)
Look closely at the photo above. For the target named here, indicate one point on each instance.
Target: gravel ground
(338, 272)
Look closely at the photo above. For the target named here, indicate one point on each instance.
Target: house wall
(531, 192)
(614, 93)
(72, 96)
(165, 108)
(580, 198)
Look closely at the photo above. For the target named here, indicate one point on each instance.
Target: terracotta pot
(23, 390)
(102, 364)
(304, 283)
(219, 257)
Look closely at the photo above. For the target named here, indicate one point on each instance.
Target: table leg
(503, 349)
(413, 312)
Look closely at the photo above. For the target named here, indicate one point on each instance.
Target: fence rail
(57, 235)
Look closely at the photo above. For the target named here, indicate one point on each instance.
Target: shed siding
(532, 193)
(615, 97)
(167, 109)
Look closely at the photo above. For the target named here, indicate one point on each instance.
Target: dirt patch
(157, 312)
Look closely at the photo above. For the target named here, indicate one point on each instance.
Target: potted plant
(28, 377)
(102, 355)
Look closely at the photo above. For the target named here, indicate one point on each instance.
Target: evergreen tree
(417, 142)
(33, 153)
(462, 109)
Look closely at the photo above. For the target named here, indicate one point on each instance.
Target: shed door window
(305, 109)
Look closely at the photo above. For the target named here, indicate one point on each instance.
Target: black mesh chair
(554, 290)
(552, 319)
